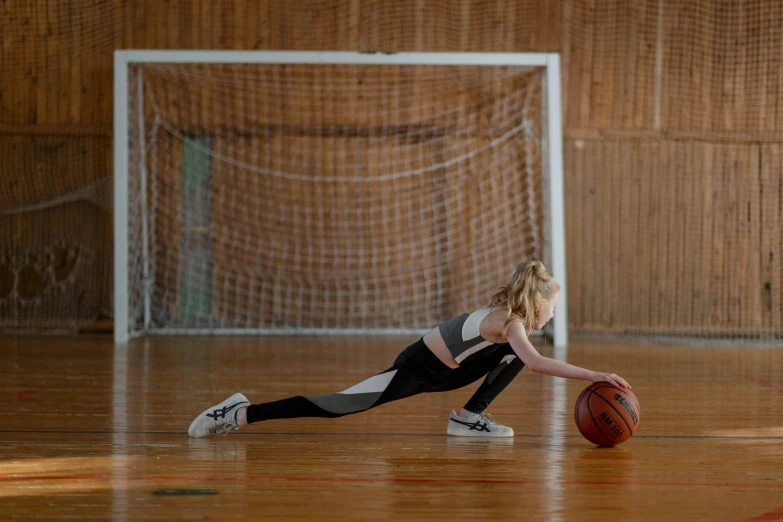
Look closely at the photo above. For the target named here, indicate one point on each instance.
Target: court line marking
(765, 384)
(776, 514)
(370, 480)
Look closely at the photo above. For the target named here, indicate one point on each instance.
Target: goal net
(338, 192)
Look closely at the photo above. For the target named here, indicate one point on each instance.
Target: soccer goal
(330, 192)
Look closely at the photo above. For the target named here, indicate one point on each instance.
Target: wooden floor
(90, 432)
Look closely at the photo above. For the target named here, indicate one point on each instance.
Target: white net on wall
(329, 196)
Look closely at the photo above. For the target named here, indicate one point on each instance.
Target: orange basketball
(606, 415)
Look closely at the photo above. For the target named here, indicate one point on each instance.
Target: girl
(491, 341)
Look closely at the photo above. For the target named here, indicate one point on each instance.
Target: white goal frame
(552, 161)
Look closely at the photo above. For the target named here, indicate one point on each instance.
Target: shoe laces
(486, 417)
(223, 427)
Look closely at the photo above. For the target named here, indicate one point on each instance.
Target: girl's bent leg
(496, 381)
(500, 368)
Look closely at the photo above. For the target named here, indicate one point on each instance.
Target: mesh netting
(330, 196)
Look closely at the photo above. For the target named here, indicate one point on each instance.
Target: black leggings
(416, 370)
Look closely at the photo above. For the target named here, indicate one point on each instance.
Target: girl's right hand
(611, 378)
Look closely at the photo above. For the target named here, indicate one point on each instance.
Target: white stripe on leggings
(373, 384)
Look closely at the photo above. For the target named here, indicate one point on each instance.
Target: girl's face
(547, 311)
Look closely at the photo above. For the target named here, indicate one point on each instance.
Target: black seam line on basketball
(605, 386)
(617, 388)
(634, 406)
(576, 413)
(635, 402)
(615, 410)
(592, 417)
(618, 413)
(336, 434)
(596, 423)
(621, 390)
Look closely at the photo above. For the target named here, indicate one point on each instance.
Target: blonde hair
(524, 296)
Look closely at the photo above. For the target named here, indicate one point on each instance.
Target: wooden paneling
(243, 24)
(770, 237)
(675, 237)
(40, 168)
(453, 25)
(57, 62)
(609, 64)
(722, 66)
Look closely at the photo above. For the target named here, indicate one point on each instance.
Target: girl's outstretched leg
(393, 384)
(360, 397)
(416, 370)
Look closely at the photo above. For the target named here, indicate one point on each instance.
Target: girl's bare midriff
(491, 329)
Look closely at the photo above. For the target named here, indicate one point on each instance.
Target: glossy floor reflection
(90, 432)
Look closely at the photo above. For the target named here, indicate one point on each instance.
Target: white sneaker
(477, 425)
(218, 419)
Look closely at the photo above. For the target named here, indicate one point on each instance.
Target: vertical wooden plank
(609, 259)
(681, 210)
(573, 162)
(594, 226)
(738, 117)
(655, 161)
(755, 170)
(719, 242)
(725, 239)
(645, 237)
(584, 64)
(748, 224)
(710, 178)
(660, 235)
(566, 64)
(600, 76)
(675, 210)
(671, 216)
(589, 301)
(615, 229)
(569, 179)
(603, 230)
(689, 254)
(628, 194)
(771, 247)
(733, 253)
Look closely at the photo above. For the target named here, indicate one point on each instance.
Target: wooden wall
(673, 116)
(673, 123)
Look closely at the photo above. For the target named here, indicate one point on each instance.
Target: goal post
(286, 192)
